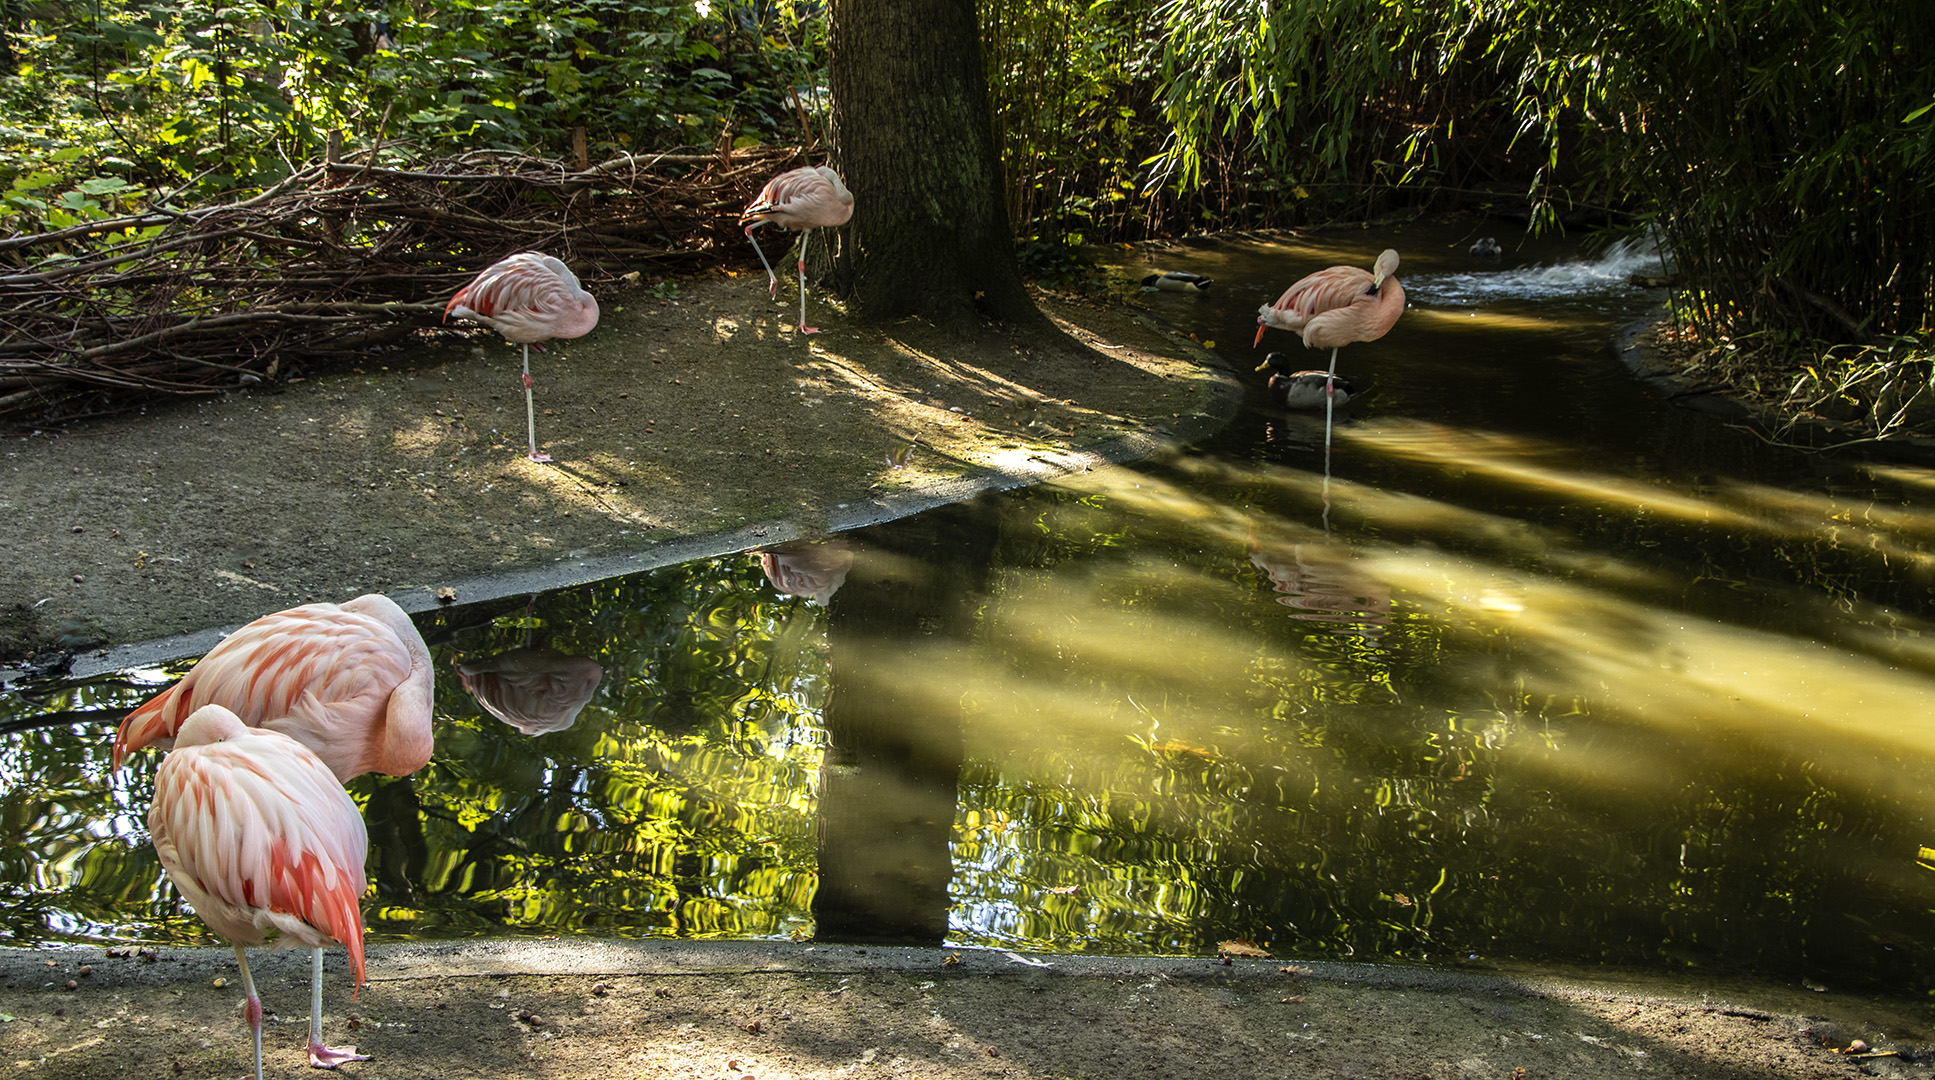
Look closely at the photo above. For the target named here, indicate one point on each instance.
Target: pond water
(1532, 668)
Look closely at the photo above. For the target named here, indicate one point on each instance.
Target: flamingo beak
(1260, 327)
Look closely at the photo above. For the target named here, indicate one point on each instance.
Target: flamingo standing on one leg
(258, 835)
(529, 298)
(1335, 307)
(351, 682)
(805, 199)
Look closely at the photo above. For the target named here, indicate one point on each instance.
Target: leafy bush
(207, 98)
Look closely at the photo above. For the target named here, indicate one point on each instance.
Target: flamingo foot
(540, 457)
(805, 329)
(328, 1057)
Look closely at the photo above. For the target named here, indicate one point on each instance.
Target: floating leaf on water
(1239, 947)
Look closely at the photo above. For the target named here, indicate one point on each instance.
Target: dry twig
(335, 259)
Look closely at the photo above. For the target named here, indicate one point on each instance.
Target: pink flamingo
(258, 835)
(529, 298)
(351, 682)
(805, 199)
(1333, 308)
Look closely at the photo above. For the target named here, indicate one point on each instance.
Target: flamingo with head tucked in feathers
(352, 682)
(803, 199)
(529, 298)
(1333, 308)
(257, 834)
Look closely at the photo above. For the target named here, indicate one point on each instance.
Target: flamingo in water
(804, 199)
(352, 682)
(258, 835)
(529, 298)
(1335, 307)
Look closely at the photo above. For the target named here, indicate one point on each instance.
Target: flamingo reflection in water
(804, 568)
(1322, 584)
(535, 689)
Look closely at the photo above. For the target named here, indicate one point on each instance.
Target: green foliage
(1067, 111)
(1123, 118)
(1785, 149)
(236, 96)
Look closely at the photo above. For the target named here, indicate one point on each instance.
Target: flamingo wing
(527, 297)
(1325, 290)
(257, 834)
(353, 683)
(802, 198)
(1339, 305)
(1369, 316)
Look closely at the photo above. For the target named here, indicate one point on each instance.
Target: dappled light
(1487, 683)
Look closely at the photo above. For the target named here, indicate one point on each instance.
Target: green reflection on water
(679, 802)
(1190, 715)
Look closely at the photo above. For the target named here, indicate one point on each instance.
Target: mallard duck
(1176, 281)
(1294, 389)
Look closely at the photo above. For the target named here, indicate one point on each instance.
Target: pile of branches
(336, 259)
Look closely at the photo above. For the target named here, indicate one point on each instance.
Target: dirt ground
(689, 427)
(681, 428)
(779, 1011)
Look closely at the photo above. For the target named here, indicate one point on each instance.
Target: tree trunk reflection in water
(896, 629)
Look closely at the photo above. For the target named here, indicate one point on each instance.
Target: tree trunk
(915, 143)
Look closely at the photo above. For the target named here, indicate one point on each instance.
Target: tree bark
(915, 143)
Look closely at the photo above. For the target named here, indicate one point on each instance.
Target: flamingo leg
(1330, 400)
(320, 1056)
(254, 1010)
(804, 329)
(772, 279)
(530, 414)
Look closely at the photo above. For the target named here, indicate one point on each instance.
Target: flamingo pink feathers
(801, 199)
(529, 298)
(257, 834)
(351, 682)
(1333, 308)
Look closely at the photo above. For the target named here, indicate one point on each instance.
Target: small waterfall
(1610, 272)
